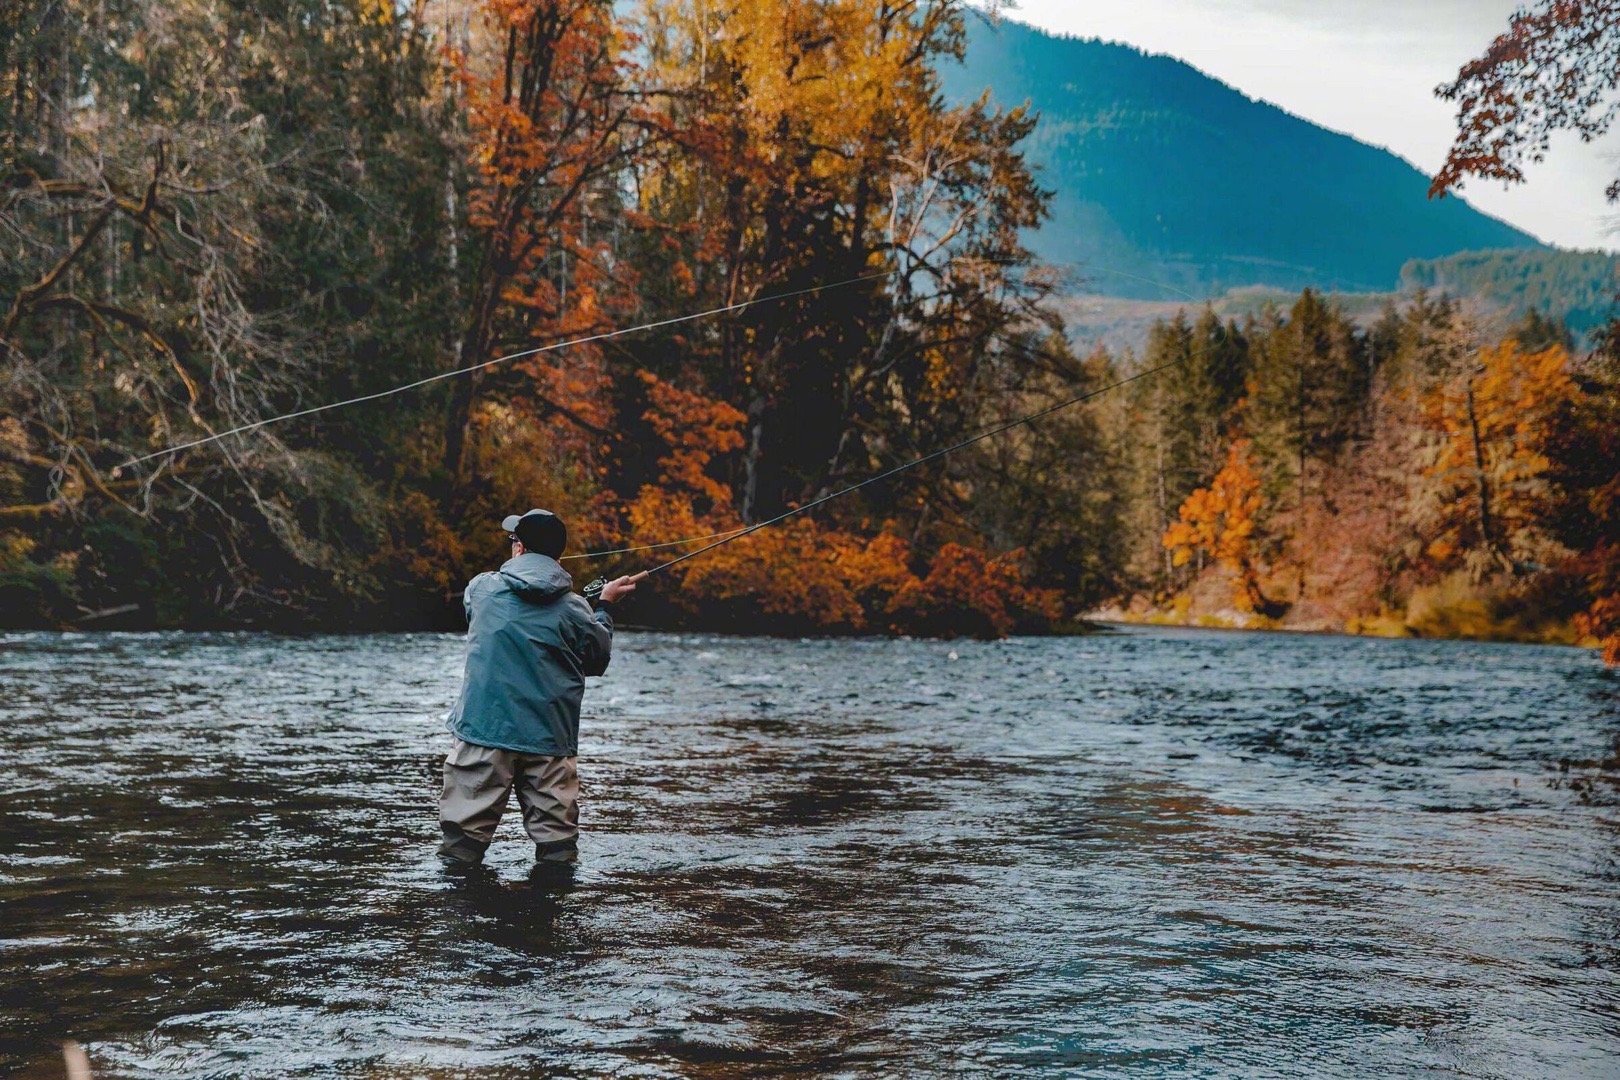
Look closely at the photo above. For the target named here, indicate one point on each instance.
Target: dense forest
(1415, 477)
(217, 212)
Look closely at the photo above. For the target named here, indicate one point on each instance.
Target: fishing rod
(593, 590)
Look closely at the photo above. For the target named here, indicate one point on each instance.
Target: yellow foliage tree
(1487, 486)
(807, 141)
(1220, 521)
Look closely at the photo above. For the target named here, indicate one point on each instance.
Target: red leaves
(1556, 68)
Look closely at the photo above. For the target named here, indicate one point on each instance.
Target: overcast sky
(1366, 67)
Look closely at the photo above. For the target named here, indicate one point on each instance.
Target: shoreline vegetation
(355, 196)
(1472, 621)
(1418, 477)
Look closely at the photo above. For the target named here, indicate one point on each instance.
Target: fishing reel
(593, 591)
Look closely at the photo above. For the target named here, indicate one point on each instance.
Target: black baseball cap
(540, 530)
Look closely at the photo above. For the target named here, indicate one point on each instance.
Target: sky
(1367, 68)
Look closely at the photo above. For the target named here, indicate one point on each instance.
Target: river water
(1151, 852)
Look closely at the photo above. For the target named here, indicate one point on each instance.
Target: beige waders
(478, 781)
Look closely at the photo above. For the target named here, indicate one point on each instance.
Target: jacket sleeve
(596, 641)
(467, 597)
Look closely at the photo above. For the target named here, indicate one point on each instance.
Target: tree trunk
(1161, 495)
(762, 379)
(756, 440)
(1482, 485)
(1299, 525)
(857, 262)
(474, 343)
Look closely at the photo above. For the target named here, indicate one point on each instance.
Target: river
(1154, 852)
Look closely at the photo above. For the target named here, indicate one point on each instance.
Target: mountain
(1164, 173)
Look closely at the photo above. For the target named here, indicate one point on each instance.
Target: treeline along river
(1157, 852)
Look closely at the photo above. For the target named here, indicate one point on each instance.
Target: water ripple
(1166, 853)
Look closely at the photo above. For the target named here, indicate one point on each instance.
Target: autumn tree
(1584, 448)
(966, 593)
(807, 144)
(1556, 68)
(803, 575)
(1221, 521)
(769, 110)
(1179, 420)
(1489, 492)
(548, 110)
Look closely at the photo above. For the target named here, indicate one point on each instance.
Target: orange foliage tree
(1220, 521)
(696, 429)
(813, 578)
(1556, 68)
(685, 500)
(968, 593)
(1487, 478)
(800, 575)
(547, 113)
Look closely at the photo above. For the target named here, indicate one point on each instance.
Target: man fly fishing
(531, 641)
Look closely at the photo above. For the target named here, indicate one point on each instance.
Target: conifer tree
(1308, 385)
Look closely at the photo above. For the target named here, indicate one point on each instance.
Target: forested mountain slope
(1577, 286)
(1164, 172)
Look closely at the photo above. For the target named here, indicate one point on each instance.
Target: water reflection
(1158, 852)
(519, 916)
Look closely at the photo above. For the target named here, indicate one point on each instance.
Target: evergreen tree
(1536, 332)
(1309, 382)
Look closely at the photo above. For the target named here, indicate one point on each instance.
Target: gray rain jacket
(530, 643)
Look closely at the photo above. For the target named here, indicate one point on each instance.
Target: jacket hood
(536, 577)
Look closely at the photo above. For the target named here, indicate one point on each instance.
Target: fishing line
(727, 536)
(501, 360)
(652, 547)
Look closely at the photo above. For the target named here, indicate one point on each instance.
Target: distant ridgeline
(1579, 285)
(1163, 172)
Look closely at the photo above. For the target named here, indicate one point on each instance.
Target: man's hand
(621, 586)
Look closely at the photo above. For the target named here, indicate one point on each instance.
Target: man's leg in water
(548, 792)
(477, 783)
